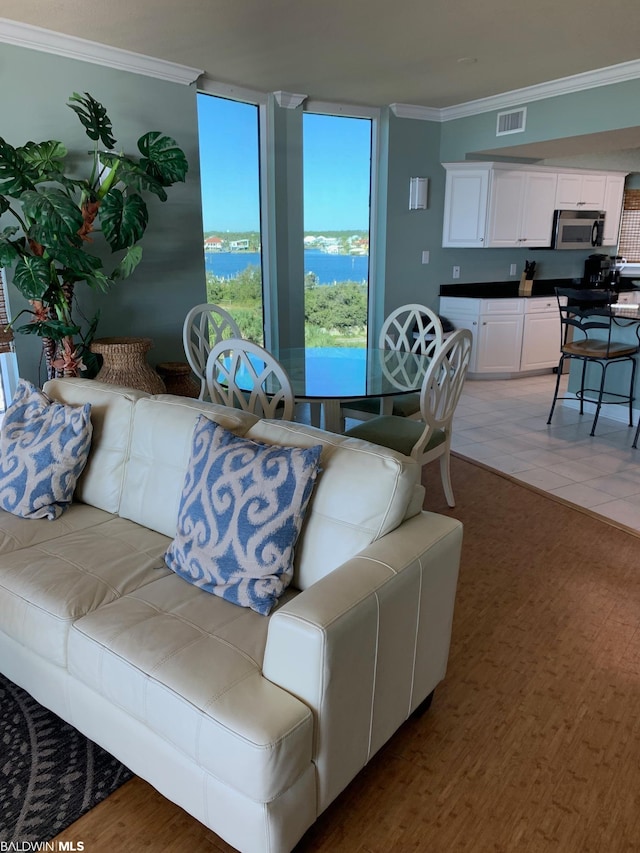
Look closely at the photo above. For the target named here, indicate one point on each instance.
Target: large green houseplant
(54, 216)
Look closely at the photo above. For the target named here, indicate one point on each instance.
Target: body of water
(328, 268)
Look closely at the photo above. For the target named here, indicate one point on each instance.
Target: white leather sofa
(252, 724)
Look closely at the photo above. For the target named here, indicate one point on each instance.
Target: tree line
(332, 311)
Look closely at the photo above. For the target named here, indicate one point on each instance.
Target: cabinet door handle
(484, 322)
(475, 323)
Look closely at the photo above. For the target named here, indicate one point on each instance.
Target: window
(629, 240)
(230, 181)
(337, 157)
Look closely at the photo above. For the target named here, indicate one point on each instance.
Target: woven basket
(124, 363)
(178, 378)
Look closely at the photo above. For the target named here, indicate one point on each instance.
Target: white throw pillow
(241, 511)
(44, 447)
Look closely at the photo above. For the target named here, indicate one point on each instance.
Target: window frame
(372, 113)
(261, 101)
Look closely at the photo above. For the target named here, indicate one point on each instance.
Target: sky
(337, 162)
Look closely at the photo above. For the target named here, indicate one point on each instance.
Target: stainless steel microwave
(577, 229)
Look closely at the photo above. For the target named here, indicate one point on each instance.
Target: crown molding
(518, 97)
(71, 47)
(416, 112)
(289, 100)
(563, 86)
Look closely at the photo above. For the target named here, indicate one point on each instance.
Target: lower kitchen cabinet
(541, 334)
(510, 336)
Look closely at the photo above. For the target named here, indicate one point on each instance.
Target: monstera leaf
(123, 219)
(9, 249)
(45, 158)
(54, 216)
(128, 263)
(57, 330)
(93, 116)
(131, 174)
(32, 277)
(162, 159)
(16, 174)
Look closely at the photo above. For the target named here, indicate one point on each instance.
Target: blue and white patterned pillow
(241, 511)
(44, 447)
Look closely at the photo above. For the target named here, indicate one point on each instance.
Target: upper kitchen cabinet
(521, 209)
(613, 199)
(580, 191)
(497, 205)
(506, 205)
(465, 206)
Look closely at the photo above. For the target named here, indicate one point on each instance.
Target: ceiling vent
(511, 122)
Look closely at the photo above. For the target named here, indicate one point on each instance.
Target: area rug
(50, 774)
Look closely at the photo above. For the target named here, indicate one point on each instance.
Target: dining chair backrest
(414, 328)
(203, 327)
(582, 312)
(246, 376)
(441, 389)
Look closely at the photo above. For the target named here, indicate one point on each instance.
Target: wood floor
(532, 743)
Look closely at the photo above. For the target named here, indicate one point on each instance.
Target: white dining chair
(429, 438)
(204, 326)
(413, 328)
(246, 376)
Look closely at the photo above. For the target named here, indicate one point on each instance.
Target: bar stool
(586, 322)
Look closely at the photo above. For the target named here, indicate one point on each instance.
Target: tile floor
(503, 423)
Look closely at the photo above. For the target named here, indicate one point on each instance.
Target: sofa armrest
(366, 644)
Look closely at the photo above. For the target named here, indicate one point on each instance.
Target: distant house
(213, 244)
(238, 245)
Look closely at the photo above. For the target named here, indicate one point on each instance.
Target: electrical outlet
(456, 272)
(425, 256)
(512, 269)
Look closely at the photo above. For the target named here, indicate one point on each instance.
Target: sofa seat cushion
(46, 587)
(16, 532)
(189, 666)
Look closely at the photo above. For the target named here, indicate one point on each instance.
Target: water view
(328, 268)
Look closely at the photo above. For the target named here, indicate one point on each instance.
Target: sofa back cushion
(160, 451)
(101, 482)
(362, 492)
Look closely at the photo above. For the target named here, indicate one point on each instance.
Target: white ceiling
(369, 52)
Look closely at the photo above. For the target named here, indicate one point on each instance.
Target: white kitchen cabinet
(506, 205)
(521, 209)
(510, 336)
(541, 334)
(465, 207)
(613, 198)
(580, 191)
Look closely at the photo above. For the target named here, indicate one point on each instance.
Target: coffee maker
(599, 271)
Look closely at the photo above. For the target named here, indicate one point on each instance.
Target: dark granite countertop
(509, 289)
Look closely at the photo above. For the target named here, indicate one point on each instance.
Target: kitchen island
(513, 335)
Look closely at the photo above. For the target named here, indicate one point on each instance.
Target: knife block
(526, 286)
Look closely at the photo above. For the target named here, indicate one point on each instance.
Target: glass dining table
(327, 377)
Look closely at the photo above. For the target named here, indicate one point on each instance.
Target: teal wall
(591, 111)
(420, 147)
(412, 150)
(170, 279)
